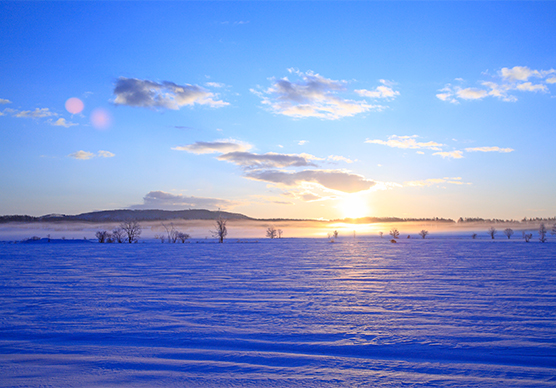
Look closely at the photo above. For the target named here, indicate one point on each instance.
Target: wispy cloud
(166, 95)
(166, 201)
(34, 114)
(384, 91)
(218, 146)
(450, 154)
(338, 180)
(312, 95)
(105, 154)
(268, 160)
(84, 155)
(4, 101)
(407, 142)
(61, 122)
(502, 84)
(489, 149)
(436, 182)
(337, 158)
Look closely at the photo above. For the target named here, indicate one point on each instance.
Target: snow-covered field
(288, 312)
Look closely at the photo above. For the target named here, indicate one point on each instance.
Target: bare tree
(542, 233)
(280, 232)
(423, 233)
(160, 237)
(271, 232)
(132, 229)
(508, 232)
(220, 229)
(335, 234)
(395, 233)
(118, 235)
(102, 236)
(553, 230)
(474, 236)
(380, 234)
(182, 237)
(492, 232)
(527, 236)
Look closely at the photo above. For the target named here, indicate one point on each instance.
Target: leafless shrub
(527, 236)
(395, 233)
(542, 233)
(132, 230)
(271, 232)
(423, 233)
(508, 232)
(220, 229)
(492, 231)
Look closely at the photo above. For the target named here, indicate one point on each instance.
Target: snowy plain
(293, 312)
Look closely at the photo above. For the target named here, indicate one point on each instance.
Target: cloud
(338, 180)
(166, 201)
(61, 122)
(311, 96)
(105, 154)
(84, 155)
(384, 91)
(489, 149)
(407, 142)
(167, 95)
(268, 160)
(471, 94)
(505, 81)
(435, 181)
(303, 142)
(450, 154)
(35, 114)
(4, 101)
(219, 146)
(337, 158)
(215, 84)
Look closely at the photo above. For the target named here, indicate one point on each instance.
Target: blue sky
(279, 109)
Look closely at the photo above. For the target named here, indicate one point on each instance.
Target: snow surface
(287, 312)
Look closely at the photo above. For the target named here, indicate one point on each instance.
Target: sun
(354, 207)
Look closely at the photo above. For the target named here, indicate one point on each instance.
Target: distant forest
(201, 214)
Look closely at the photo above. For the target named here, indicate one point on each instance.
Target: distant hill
(125, 215)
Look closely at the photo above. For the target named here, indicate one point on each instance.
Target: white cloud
(302, 142)
(215, 84)
(450, 154)
(311, 96)
(105, 154)
(82, 155)
(407, 142)
(61, 122)
(338, 180)
(489, 149)
(384, 91)
(471, 94)
(219, 146)
(337, 158)
(168, 95)
(166, 201)
(435, 181)
(505, 81)
(4, 101)
(35, 114)
(268, 160)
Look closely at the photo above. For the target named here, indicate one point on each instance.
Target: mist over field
(201, 229)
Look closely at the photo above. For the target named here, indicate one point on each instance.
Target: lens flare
(100, 118)
(74, 105)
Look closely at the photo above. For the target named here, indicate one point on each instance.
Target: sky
(279, 109)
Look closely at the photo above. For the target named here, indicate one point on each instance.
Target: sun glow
(354, 207)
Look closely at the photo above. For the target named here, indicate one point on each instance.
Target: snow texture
(288, 312)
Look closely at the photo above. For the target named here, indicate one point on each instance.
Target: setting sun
(354, 207)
